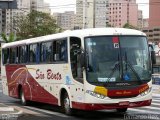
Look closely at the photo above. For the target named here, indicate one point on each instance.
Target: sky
(70, 6)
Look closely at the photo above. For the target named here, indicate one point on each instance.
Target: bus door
(76, 68)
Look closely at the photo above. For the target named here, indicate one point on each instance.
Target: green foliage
(127, 25)
(9, 38)
(35, 24)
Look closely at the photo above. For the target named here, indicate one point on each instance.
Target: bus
(88, 69)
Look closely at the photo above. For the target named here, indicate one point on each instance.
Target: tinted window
(5, 56)
(60, 50)
(22, 54)
(34, 51)
(46, 52)
(12, 55)
(75, 50)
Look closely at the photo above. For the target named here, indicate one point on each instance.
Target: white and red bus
(90, 69)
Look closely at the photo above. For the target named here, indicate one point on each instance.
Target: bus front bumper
(126, 104)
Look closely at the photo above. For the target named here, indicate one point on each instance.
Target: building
(140, 20)
(154, 17)
(153, 30)
(79, 14)
(101, 13)
(122, 12)
(9, 16)
(0, 21)
(41, 6)
(91, 13)
(153, 34)
(65, 20)
(146, 23)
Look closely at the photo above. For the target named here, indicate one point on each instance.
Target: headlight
(146, 91)
(92, 93)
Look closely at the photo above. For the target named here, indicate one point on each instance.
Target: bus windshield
(117, 59)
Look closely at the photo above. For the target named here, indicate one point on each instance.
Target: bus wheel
(122, 110)
(22, 97)
(66, 104)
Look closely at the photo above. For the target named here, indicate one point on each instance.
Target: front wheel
(22, 98)
(121, 110)
(66, 104)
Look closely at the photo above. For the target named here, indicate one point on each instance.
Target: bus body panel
(43, 83)
(48, 91)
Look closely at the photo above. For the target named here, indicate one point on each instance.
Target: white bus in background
(90, 69)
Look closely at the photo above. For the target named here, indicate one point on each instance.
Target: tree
(127, 25)
(35, 24)
(9, 38)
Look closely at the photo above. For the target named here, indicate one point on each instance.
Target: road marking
(150, 107)
(156, 95)
(142, 111)
(155, 104)
(155, 100)
(47, 111)
(6, 109)
(25, 110)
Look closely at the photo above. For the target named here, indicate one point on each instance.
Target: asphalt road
(39, 111)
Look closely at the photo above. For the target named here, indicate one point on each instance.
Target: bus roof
(77, 33)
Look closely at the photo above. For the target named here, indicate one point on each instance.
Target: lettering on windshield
(116, 45)
(107, 79)
(115, 41)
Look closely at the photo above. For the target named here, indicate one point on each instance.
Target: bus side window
(60, 50)
(75, 46)
(13, 55)
(46, 52)
(63, 51)
(34, 51)
(5, 56)
(22, 54)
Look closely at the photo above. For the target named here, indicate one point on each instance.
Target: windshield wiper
(114, 68)
(130, 65)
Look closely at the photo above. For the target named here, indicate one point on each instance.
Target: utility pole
(94, 16)
(84, 13)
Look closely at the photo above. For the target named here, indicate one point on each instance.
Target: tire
(122, 110)
(22, 98)
(66, 104)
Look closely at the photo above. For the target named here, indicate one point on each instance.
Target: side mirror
(153, 57)
(153, 54)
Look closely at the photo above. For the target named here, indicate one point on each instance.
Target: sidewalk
(9, 113)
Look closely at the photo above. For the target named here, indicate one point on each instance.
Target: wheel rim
(22, 97)
(67, 103)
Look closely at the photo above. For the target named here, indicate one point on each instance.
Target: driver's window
(75, 51)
